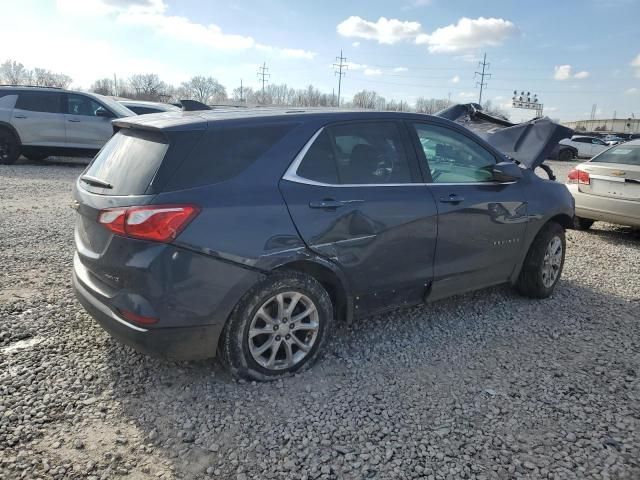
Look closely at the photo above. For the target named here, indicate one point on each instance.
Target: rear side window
(44, 102)
(128, 162)
(144, 110)
(625, 154)
(370, 153)
(222, 153)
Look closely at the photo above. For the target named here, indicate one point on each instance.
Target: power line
(263, 76)
(482, 83)
(340, 66)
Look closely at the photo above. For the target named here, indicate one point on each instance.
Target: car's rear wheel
(278, 328)
(9, 148)
(544, 262)
(580, 223)
(566, 155)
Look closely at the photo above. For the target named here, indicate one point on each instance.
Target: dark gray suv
(248, 233)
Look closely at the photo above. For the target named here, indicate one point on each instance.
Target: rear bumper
(179, 343)
(606, 209)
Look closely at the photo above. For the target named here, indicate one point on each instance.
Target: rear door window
(128, 162)
(370, 153)
(45, 102)
(224, 152)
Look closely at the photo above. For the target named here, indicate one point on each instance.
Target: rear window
(45, 102)
(128, 162)
(625, 154)
(222, 153)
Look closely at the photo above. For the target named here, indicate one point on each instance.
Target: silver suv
(38, 122)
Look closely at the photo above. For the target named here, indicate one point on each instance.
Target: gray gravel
(486, 385)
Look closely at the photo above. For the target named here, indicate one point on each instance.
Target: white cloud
(565, 72)
(632, 91)
(355, 44)
(354, 66)
(562, 72)
(468, 34)
(636, 64)
(384, 30)
(455, 79)
(400, 69)
(151, 14)
(372, 71)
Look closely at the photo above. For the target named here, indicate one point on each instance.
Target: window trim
(292, 172)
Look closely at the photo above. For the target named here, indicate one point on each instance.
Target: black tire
(566, 155)
(9, 147)
(535, 281)
(580, 223)
(234, 348)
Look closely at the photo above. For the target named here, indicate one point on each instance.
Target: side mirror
(504, 172)
(103, 112)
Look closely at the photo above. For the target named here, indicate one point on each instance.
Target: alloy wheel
(552, 262)
(283, 331)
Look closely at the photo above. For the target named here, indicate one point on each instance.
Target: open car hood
(530, 143)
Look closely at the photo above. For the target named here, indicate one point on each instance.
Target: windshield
(625, 154)
(117, 108)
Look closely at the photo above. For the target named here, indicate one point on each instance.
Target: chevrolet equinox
(247, 234)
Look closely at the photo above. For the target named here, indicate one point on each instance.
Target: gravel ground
(486, 385)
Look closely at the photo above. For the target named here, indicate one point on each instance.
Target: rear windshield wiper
(96, 182)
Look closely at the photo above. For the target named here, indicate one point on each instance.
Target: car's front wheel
(544, 262)
(278, 328)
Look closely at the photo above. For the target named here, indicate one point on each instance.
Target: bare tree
(14, 73)
(430, 105)
(103, 86)
(203, 89)
(46, 78)
(149, 87)
(368, 99)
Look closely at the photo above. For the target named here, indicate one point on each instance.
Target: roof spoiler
(193, 106)
(530, 143)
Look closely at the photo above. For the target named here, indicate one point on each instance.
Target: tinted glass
(222, 153)
(369, 153)
(625, 154)
(319, 163)
(452, 157)
(144, 110)
(81, 105)
(128, 162)
(46, 102)
(597, 141)
(116, 107)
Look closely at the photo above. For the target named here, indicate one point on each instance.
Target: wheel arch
(331, 278)
(10, 128)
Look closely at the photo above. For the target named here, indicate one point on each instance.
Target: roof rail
(29, 86)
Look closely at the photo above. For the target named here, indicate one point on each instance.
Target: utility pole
(263, 76)
(482, 83)
(241, 100)
(338, 70)
(115, 85)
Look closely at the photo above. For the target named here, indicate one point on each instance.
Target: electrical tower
(482, 74)
(263, 76)
(338, 70)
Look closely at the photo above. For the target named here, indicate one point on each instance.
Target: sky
(571, 53)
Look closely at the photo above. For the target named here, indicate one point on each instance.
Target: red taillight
(159, 223)
(139, 319)
(578, 176)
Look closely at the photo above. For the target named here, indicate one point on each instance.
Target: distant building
(613, 125)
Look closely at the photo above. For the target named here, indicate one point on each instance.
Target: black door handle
(330, 203)
(74, 120)
(453, 198)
